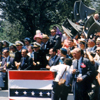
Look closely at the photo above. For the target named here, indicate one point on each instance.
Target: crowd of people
(78, 59)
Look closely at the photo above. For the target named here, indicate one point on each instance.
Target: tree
(36, 14)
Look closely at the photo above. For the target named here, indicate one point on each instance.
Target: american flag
(30, 85)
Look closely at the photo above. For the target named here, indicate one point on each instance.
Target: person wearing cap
(39, 60)
(46, 43)
(63, 55)
(82, 72)
(19, 46)
(27, 42)
(55, 40)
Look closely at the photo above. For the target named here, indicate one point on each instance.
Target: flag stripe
(30, 84)
(27, 98)
(31, 75)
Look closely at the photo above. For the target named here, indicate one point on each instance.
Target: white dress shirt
(60, 70)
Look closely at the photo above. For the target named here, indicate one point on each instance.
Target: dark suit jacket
(27, 64)
(40, 60)
(11, 66)
(55, 42)
(48, 46)
(87, 74)
(17, 56)
(55, 62)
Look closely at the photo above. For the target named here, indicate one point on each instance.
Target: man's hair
(82, 42)
(6, 50)
(68, 61)
(25, 50)
(31, 47)
(54, 50)
(71, 40)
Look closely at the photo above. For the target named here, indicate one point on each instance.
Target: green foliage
(24, 17)
(11, 32)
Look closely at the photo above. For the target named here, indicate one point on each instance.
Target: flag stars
(41, 94)
(16, 92)
(32, 93)
(24, 92)
(48, 93)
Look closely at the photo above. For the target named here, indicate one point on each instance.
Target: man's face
(98, 44)
(26, 42)
(98, 51)
(70, 43)
(51, 53)
(5, 53)
(38, 40)
(53, 32)
(77, 54)
(36, 49)
(19, 47)
(90, 43)
(23, 53)
(44, 40)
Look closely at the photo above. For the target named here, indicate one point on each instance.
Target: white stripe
(28, 98)
(30, 84)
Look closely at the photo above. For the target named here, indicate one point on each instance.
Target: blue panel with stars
(40, 93)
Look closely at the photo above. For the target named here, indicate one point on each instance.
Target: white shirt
(60, 69)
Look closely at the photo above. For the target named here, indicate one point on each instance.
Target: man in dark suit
(46, 44)
(7, 64)
(54, 59)
(19, 46)
(55, 40)
(39, 61)
(82, 76)
(26, 62)
(7, 61)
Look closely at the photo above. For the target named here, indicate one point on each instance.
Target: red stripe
(31, 75)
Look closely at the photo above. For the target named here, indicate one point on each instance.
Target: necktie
(23, 61)
(77, 71)
(77, 64)
(43, 46)
(6, 61)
